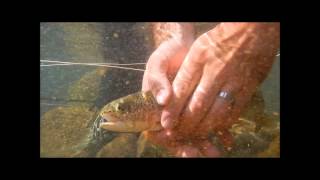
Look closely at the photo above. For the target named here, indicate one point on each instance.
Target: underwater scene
(93, 103)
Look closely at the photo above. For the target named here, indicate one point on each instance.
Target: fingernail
(161, 97)
(166, 121)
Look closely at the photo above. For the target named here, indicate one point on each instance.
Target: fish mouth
(104, 120)
(100, 133)
(107, 118)
(99, 120)
(110, 122)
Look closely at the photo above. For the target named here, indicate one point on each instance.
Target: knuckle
(201, 56)
(181, 86)
(197, 106)
(197, 103)
(201, 99)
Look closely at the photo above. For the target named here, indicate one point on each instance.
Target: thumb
(156, 80)
(159, 85)
(164, 91)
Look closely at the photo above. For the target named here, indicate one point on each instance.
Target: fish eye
(120, 108)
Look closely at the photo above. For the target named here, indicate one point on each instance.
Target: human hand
(232, 58)
(173, 42)
(161, 68)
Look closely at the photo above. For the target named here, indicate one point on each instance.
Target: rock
(65, 130)
(84, 41)
(254, 129)
(273, 150)
(87, 88)
(125, 145)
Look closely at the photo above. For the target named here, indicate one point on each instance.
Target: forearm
(183, 32)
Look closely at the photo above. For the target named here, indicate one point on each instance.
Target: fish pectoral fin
(141, 144)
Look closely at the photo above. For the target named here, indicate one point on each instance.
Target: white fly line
(111, 65)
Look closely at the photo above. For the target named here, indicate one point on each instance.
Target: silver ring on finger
(227, 96)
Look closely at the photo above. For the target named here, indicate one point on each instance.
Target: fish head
(132, 113)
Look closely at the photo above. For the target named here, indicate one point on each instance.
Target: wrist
(181, 33)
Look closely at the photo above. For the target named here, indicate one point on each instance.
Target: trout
(133, 113)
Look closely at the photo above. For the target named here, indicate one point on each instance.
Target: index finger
(184, 83)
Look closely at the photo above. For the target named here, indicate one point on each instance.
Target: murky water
(71, 96)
